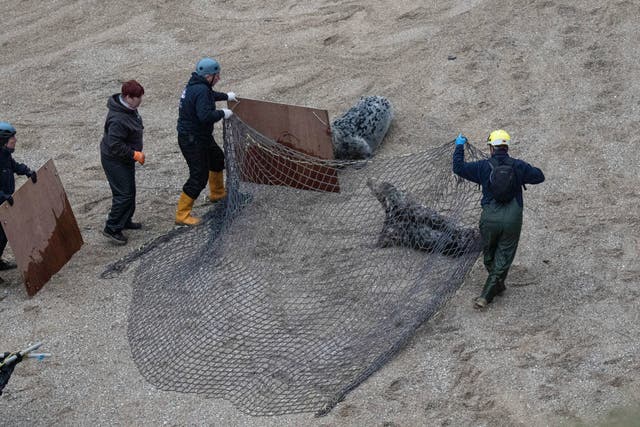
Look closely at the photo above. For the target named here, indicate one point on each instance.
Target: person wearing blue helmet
(196, 115)
(9, 167)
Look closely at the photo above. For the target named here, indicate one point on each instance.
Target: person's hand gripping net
(461, 139)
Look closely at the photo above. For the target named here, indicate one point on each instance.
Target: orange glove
(138, 156)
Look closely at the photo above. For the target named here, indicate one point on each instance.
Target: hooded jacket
(8, 167)
(197, 112)
(480, 171)
(122, 131)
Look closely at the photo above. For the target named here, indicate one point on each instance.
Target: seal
(359, 131)
(409, 223)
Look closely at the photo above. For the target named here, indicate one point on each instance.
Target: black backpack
(503, 181)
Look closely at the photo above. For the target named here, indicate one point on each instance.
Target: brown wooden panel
(300, 128)
(41, 228)
(263, 167)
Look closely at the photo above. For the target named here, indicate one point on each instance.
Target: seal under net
(286, 298)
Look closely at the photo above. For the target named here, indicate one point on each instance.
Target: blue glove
(461, 139)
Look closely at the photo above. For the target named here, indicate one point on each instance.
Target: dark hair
(132, 88)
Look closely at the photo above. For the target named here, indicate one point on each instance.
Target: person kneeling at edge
(120, 149)
(196, 115)
(502, 179)
(8, 167)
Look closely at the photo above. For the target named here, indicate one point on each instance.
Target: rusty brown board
(303, 129)
(41, 228)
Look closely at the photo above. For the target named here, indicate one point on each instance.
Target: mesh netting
(287, 298)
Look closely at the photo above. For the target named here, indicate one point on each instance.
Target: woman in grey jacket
(120, 149)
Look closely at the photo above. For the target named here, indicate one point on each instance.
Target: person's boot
(216, 186)
(487, 295)
(500, 288)
(480, 302)
(183, 212)
(115, 236)
(7, 265)
(130, 225)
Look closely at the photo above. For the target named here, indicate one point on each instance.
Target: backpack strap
(493, 163)
(510, 161)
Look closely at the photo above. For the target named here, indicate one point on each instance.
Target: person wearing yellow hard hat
(502, 179)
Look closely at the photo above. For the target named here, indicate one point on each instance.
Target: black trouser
(500, 227)
(202, 155)
(122, 180)
(3, 240)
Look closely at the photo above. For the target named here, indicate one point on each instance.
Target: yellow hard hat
(498, 137)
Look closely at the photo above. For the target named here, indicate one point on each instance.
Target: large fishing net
(291, 295)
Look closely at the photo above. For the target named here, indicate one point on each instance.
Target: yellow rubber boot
(183, 213)
(216, 186)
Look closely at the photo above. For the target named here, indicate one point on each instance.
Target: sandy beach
(560, 348)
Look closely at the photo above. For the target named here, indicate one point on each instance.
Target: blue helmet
(6, 130)
(207, 66)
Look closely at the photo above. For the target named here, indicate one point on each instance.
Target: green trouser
(500, 227)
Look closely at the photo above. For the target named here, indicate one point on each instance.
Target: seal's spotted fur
(409, 223)
(358, 132)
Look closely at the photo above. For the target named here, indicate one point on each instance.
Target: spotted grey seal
(409, 223)
(358, 132)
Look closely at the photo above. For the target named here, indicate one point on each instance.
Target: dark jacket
(122, 131)
(197, 112)
(8, 167)
(480, 171)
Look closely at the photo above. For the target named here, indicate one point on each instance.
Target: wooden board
(41, 228)
(300, 128)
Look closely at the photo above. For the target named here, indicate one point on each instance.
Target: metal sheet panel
(41, 228)
(301, 128)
